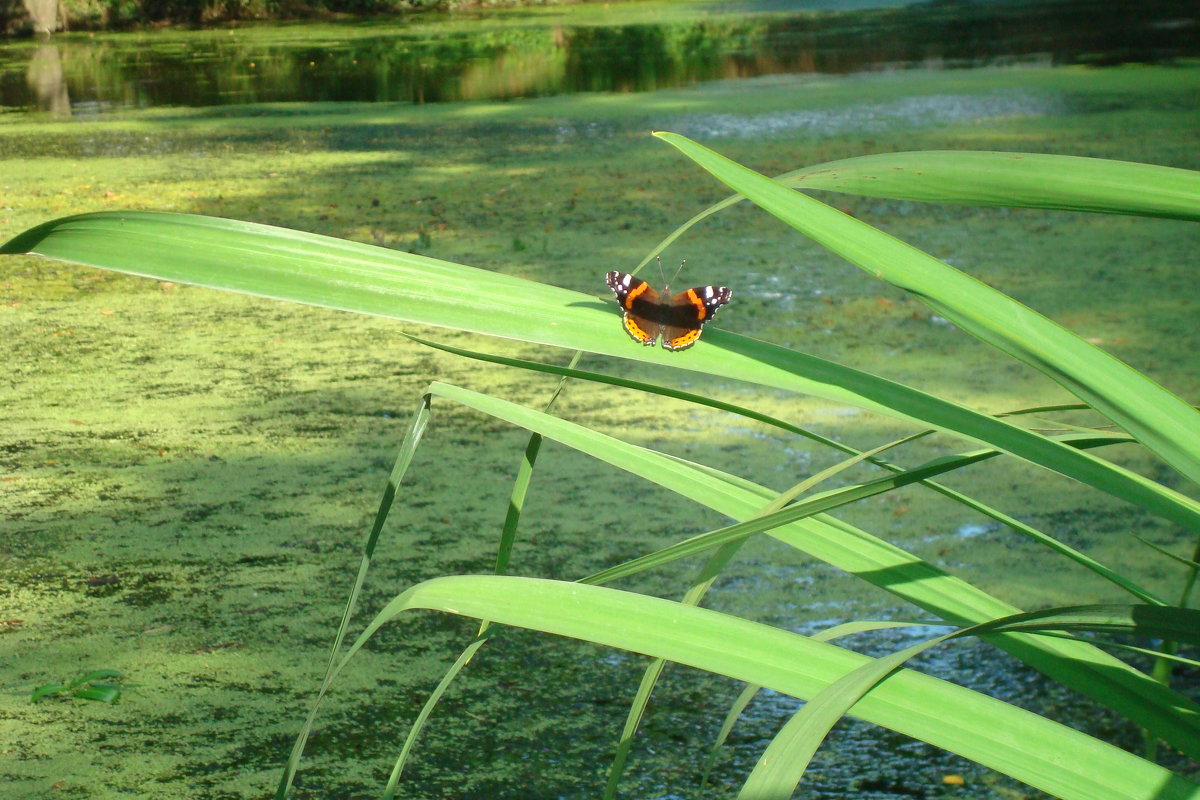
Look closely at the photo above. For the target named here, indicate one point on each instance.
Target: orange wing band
(680, 342)
(635, 294)
(636, 331)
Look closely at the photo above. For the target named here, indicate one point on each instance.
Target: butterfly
(677, 318)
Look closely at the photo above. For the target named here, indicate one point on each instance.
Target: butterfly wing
(688, 311)
(640, 302)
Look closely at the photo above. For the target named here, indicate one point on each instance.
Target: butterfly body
(677, 318)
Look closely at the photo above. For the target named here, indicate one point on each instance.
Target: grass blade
(786, 759)
(307, 268)
(1024, 180)
(746, 695)
(1043, 754)
(828, 501)
(1011, 180)
(1076, 664)
(1161, 421)
(408, 448)
(508, 535)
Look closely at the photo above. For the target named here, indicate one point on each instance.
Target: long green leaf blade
(1011, 180)
(303, 267)
(1077, 664)
(1041, 753)
(786, 759)
(1160, 420)
(1025, 180)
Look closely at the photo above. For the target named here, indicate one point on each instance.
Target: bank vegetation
(24, 17)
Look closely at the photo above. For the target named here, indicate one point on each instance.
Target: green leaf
(1187, 562)
(1012, 180)
(87, 686)
(99, 692)
(303, 267)
(786, 759)
(1076, 664)
(96, 675)
(1025, 180)
(1158, 419)
(48, 689)
(835, 498)
(1041, 753)
(1151, 622)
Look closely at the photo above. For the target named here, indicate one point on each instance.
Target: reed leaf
(1157, 418)
(1076, 664)
(1043, 754)
(302, 267)
(786, 759)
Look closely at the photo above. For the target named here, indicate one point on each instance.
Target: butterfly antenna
(667, 284)
(661, 274)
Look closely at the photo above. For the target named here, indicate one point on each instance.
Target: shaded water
(524, 54)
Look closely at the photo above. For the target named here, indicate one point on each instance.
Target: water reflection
(483, 60)
(46, 80)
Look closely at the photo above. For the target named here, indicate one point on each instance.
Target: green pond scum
(188, 475)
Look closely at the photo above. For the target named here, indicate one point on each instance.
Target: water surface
(538, 52)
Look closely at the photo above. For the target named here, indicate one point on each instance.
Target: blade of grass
(99, 692)
(633, 719)
(1145, 651)
(1187, 562)
(828, 501)
(1157, 418)
(291, 265)
(1024, 180)
(408, 447)
(508, 534)
(840, 544)
(1041, 753)
(427, 708)
(783, 764)
(747, 694)
(1015, 180)
(736, 709)
(630, 383)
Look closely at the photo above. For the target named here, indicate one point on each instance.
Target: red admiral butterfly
(677, 318)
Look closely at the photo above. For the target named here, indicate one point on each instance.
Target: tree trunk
(44, 14)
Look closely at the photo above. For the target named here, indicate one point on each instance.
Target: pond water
(537, 52)
(529, 53)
